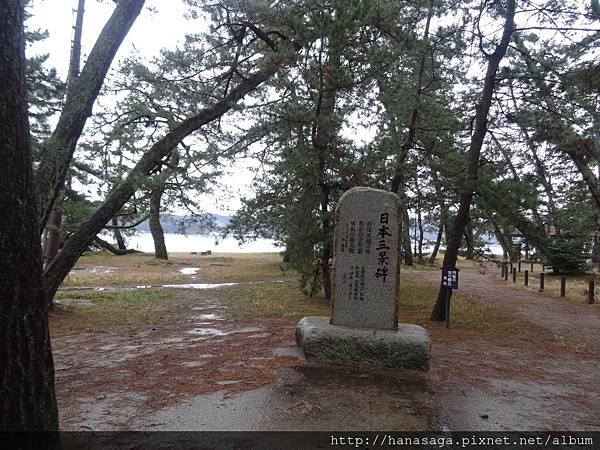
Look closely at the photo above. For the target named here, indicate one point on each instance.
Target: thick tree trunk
(27, 399)
(87, 231)
(158, 236)
(480, 130)
(81, 95)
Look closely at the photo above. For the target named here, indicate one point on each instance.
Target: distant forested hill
(172, 223)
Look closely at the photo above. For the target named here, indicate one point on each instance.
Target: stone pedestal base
(409, 347)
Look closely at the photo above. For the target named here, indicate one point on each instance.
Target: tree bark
(27, 399)
(87, 231)
(470, 254)
(532, 231)
(158, 236)
(111, 248)
(81, 95)
(323, 133)
(408, 254)
(53, 234)
(501, 238)
(438, 242)
(75, 59)
(481, 117)
(327, 244)
(421, 232)
(118, 235)
(443, 216)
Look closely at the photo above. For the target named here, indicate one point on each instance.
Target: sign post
(449, 281)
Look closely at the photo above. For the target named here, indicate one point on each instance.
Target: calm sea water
(143, 242)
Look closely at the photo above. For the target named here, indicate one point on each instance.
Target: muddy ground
(203, 370)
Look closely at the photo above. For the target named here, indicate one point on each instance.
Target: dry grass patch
(416, 302)
(107, 309)
(467, 313)
(271, 299)
(104, 269)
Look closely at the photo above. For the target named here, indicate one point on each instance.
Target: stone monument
(363, 329)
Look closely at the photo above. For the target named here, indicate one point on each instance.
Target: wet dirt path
(207, 372)
(564, 318)
(204, 371)
(541, 378)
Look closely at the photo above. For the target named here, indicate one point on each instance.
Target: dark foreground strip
(91, 440)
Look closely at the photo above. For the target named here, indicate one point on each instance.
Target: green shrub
(567, 255)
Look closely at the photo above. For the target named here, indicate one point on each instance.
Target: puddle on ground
(248, 330)
(97, 269)
(208, 317)
(159, 286)
(198, 285)
(148, 286)
(258, 335)
(168, 341)
(208, 332)
(228, 382)
(189, 271)
(192, 364)
(74, 301)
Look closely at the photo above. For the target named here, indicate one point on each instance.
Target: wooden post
(505, 272)
(514, 273)
(531, 267)
(591, 293)
(526, 278)
(563, 285)
(542, 281)
(447, 305)
(519, 266)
